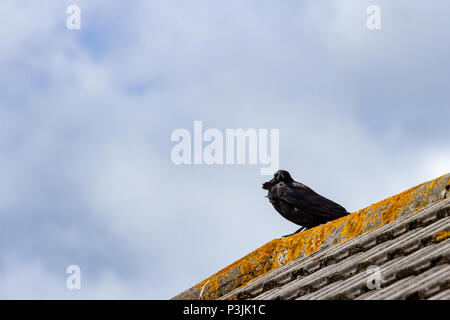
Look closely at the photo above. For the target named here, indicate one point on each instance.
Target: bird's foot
(299, 230)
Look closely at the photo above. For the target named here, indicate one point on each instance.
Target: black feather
(300, 204)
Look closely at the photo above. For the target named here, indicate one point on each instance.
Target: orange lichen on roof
(281, 251)
(440, 236)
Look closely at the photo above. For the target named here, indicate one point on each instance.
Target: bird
(300, 204)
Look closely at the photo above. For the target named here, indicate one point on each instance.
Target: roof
(405, 236)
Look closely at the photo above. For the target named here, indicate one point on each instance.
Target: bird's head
(279, 176)
(283, 176)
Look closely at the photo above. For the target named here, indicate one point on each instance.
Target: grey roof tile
(444, 295)
(422, 286)
(391, 272)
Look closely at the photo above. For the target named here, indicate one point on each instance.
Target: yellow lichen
(440, 236)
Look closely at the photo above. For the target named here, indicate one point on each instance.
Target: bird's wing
(305, 198)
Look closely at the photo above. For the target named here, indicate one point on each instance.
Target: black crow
(299, 203)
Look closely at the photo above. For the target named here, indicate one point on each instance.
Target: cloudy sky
(86, 117)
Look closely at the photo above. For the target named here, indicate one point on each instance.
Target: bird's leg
(299, 230)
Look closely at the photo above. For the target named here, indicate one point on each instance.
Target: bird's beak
(268, 184)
